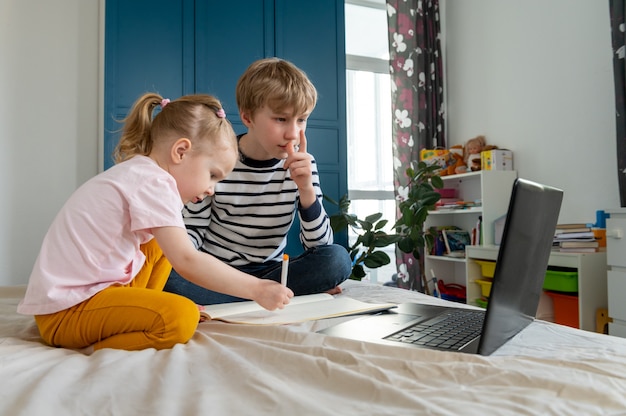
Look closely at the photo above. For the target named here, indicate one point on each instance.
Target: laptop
(517, 284)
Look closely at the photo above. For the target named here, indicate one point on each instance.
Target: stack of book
(575, 238)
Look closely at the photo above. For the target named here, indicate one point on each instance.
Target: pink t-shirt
(94, 240)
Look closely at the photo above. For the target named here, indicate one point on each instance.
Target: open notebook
(518, 278)
(300, 309)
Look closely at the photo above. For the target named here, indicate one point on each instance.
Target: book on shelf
(578, 249)
(300, 309)
(439, 246)
(455, 241)
(579, 244)
(476, 232)
(576, 235)
(458, 205)
(447, 201)
(572, 228)
(569, 225)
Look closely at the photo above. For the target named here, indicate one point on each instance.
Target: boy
(245, 223)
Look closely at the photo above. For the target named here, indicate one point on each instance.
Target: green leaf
(338, 223)
(358, 272)
(366, 225)
(367, 239)
(380, 224)
(431, 198)
(437, 182)
(384, 240)
(377, 259)
(373, 218)
(406, 245)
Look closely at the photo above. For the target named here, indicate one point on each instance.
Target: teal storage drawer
(561, 281)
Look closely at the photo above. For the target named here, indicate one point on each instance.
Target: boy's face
(271, 134)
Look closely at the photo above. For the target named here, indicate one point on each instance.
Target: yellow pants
(136, 316)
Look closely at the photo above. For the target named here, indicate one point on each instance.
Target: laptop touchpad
(371, 327)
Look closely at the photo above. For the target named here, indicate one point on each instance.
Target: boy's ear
(246, 118)
(180, 148)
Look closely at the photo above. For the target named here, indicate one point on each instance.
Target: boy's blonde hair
(199, 118)
(277, 83)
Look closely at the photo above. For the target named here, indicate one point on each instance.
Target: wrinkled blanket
(230, 369)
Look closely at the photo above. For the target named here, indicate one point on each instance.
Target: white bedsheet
(229, 369)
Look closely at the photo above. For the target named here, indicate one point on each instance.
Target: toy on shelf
(473, 148)
(456, 162)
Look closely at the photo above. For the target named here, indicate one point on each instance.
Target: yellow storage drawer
(485, 286)
(487, 267)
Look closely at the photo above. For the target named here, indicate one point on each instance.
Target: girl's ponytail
(136, 139)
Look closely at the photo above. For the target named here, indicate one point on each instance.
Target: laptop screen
(522, 262)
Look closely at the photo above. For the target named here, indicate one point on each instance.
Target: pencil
(283, 275)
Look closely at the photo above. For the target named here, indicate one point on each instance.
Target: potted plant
(421, 198)
(370, 238)
(410, 235)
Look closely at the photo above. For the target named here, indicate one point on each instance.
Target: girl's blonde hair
(199, 118)
(277, 83)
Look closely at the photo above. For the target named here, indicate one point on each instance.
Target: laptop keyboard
(450, 330)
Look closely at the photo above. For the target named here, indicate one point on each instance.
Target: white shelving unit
(592, 279)
(616, 264)
(493, 190)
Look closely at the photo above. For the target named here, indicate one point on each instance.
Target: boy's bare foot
(334, 291)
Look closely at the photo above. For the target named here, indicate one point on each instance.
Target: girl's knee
(186, 320)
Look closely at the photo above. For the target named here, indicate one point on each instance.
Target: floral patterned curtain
(617, 8)
(416, 70)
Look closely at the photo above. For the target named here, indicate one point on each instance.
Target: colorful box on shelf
(447, 192)
(496, 159)
(561, 281)
(487, 267)
(565, 308)
(556, 280)
(482, 302)
(600, 236)
(485, 286)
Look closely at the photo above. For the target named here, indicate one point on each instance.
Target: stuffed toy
(456, 164)
(473, 148)
(471, 152)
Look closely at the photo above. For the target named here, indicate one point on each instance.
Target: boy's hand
(299, 165)
(273, 295)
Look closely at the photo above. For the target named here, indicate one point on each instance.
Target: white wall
(49, 112)
(536, 77)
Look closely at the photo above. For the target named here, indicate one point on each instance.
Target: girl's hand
(201, 308)
(272, 295)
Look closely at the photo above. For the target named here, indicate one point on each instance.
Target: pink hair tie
(220, 113)
(164, 102)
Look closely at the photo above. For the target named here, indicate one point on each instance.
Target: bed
(231, 369)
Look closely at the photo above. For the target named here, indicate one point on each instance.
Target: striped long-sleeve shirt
(248, 218)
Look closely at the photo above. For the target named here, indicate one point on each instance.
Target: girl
(99, 277)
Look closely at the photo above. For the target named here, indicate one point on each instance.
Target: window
(370, 160)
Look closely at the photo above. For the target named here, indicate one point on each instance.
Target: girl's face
(199, 171)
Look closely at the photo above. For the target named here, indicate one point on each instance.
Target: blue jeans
(315, 271)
